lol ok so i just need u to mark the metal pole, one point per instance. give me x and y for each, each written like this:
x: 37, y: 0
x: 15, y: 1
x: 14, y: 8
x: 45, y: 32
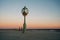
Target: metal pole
x: 24, y: 25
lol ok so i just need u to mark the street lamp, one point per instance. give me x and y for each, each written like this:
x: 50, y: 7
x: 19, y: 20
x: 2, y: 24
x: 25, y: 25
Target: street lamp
x: 24, y: 13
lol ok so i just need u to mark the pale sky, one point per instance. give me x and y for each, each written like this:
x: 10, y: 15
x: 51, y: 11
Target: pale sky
x: 42, y: 13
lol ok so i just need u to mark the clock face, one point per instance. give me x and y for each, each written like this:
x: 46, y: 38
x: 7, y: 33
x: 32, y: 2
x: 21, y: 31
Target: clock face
x: 25, y: 10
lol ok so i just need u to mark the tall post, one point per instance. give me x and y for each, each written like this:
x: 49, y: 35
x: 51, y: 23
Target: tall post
x: 24, y: 25
x: 24, y: 12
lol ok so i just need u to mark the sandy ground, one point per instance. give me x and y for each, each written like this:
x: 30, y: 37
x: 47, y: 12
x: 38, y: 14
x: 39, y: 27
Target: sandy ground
x: 29, y: 35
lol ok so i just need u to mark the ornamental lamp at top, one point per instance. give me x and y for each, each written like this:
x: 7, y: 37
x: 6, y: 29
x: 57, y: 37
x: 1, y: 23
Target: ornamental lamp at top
x: 24, y: 11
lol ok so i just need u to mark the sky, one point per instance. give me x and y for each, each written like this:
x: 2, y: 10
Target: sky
x: 42, y: 13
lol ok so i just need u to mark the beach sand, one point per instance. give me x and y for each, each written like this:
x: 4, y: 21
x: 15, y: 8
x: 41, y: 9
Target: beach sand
x: 29, y: 35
